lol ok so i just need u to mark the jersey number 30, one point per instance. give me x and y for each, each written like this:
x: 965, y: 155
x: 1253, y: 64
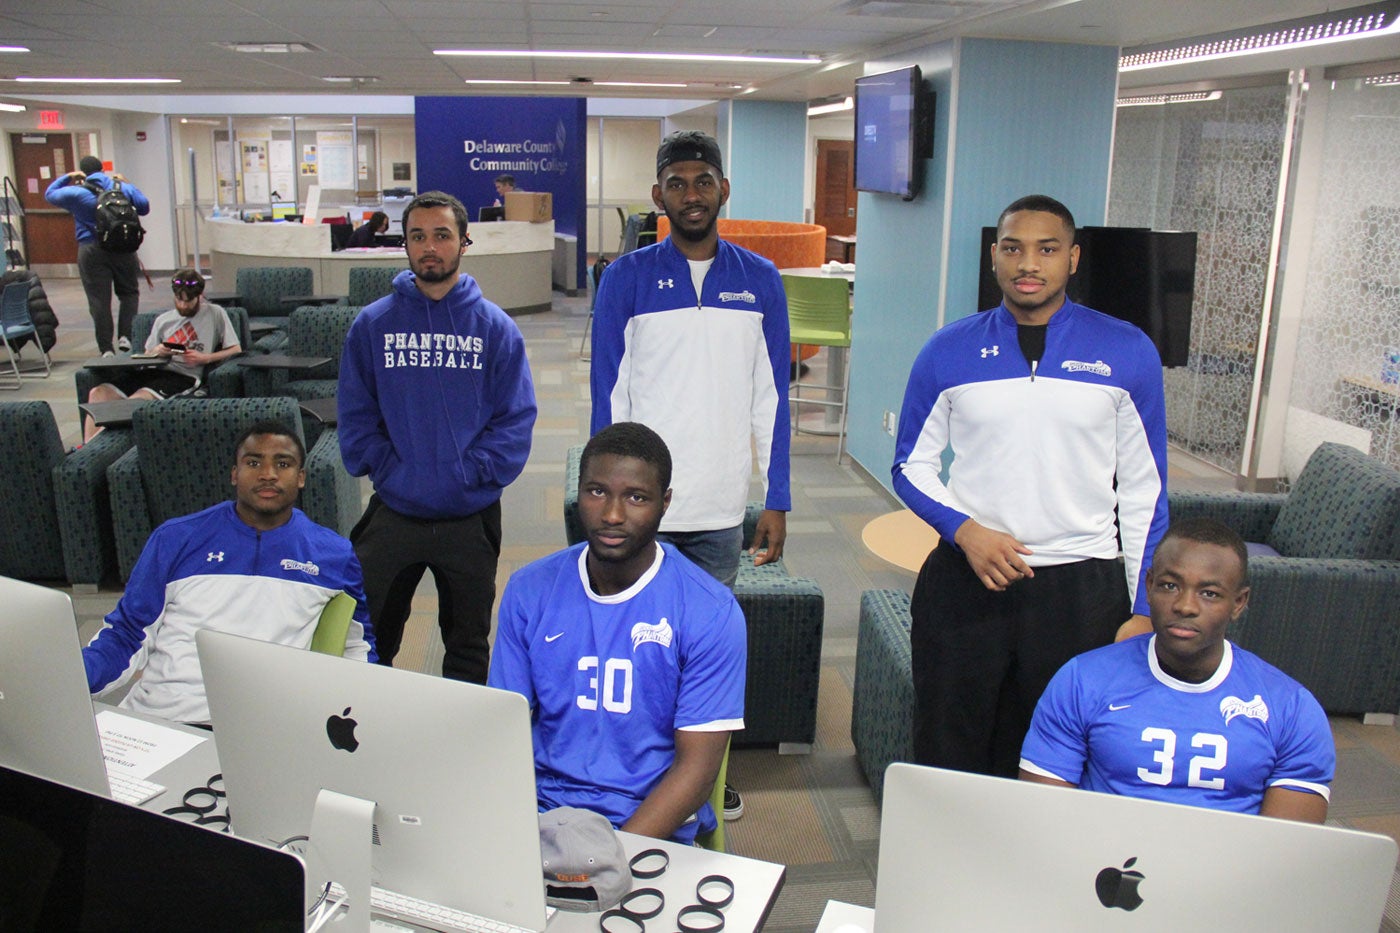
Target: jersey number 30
x: 1165, y: 757
x: 617, y: 684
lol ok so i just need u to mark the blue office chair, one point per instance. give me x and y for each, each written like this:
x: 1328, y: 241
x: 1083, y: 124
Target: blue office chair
x: 15, y: 327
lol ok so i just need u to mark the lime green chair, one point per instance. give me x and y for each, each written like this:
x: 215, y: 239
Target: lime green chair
x: 334, y: 626
x: 819, y: 315
x: 714, y: 839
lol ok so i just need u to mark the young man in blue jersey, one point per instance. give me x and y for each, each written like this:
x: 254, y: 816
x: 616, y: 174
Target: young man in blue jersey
x: 1182, y: 715
x: 632, y: 658
x: 436, y: 404
x: 255, y: 566
x: 1055, y: 417
x: 690, y: 337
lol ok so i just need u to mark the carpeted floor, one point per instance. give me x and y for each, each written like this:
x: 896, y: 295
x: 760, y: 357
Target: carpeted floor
x: 813, y: 813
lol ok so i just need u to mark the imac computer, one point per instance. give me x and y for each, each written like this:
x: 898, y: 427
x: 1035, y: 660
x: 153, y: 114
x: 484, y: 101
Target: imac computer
x: 71, y: 860
x: 410, y: 783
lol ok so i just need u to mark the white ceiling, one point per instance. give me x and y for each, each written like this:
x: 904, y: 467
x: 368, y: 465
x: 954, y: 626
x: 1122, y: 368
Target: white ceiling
x: 394, y: 40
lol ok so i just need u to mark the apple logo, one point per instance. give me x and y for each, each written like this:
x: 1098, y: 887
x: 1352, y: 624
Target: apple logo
x: 1117, y: 887
x: 341, y: 730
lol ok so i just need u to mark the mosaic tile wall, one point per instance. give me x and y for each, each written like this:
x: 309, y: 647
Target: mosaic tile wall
x: 1211, y: 167
x: 1351, y: 309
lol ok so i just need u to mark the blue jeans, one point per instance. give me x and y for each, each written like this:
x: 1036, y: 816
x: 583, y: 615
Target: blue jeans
x: 715, y: 552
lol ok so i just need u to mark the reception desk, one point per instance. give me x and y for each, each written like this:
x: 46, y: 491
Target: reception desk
x: 511, y: 261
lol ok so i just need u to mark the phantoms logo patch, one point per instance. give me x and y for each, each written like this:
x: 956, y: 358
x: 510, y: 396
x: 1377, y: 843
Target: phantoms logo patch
x: 745, y: 296
x: 305, y: 566
x: 1098, y: 367
x: 644, y: 632
x: 1233, y: 706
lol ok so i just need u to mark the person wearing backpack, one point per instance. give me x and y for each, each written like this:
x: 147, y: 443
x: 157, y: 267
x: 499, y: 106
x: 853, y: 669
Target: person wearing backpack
x: 105, y: 209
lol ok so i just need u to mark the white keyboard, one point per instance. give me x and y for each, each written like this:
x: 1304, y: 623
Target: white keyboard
x: 395, y: 906
x: 135, y: 791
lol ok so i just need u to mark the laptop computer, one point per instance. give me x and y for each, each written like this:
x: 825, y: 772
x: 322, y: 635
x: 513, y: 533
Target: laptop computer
x: 71, y: 860
x: 489, y: 214
x: 970, y: 852
x: 46, y: 720
x: 448, y: 766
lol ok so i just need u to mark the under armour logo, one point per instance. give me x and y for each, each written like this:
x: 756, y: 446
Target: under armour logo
x: 990, y: 351
x: 665, y: 283
x: 215, y: 556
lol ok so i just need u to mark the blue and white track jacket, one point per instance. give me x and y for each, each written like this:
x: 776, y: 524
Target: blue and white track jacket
x: 709, y: 373
x: 1037, y: 455
x: 212, y: 570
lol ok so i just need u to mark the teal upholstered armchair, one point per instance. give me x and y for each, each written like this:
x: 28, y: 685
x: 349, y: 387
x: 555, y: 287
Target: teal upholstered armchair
x: 784, y: 615
x: 182, y: 461
x: 311, y: 331
x: 262, y: 288
x: 55, y: 520
x: 1324, y: 574
x: 370, y: 283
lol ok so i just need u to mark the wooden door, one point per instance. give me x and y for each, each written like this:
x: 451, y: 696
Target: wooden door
x: 836, y: 186
x: 39, y: 158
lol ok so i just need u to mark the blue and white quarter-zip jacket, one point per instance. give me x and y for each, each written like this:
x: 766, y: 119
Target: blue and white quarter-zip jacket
x: 211, y: 570
x: 1037, y: 455
x: 436, y: 403
x: 709, y: 373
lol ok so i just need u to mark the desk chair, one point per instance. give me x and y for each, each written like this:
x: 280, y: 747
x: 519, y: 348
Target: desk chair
x: 334, y: 625
x: 714, y: 839
x: 595, y: 274
x: 819, y: 314
x: 16, y: 326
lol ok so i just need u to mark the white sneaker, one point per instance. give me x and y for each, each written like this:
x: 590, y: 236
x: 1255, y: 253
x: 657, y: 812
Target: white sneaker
x: 124, y: 344
x: 107, y: 353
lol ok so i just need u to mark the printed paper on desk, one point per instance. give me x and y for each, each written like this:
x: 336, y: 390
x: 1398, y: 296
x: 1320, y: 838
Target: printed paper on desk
x: 139, y: 748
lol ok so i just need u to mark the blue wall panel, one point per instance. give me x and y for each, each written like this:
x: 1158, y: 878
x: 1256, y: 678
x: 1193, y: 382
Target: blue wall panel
x: 767, y: 157
x: 465, y: 142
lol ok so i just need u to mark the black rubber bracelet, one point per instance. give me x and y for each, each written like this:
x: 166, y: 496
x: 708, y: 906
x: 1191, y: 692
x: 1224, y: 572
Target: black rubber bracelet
x: 647, y: 872
x: 712, y: 902
x: 609, y: 916
x: 700, y: 910
x: 625, y: 905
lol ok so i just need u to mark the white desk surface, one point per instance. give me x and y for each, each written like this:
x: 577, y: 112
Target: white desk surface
x: 756, y: 883
x: 840, y: 917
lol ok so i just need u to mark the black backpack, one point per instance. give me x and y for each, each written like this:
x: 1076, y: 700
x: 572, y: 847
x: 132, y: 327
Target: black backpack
x: 118, y: 225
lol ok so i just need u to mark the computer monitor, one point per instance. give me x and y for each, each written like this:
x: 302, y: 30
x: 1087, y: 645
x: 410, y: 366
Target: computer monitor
x: 46, y: 720
x: 71, y: 860
x: 448, y: 767
x: 971, y: 852
x: 489, y: 214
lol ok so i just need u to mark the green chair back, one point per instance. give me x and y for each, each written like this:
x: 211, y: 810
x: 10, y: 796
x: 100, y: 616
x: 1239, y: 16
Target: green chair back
x: 714, y: 840
x: 334, y: 626
x: 819, y: 310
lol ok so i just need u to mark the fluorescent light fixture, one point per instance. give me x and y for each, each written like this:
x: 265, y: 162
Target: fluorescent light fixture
x: 633, y: 56
x: 269, y: 48
x: 509, y: 81
x: 13, y: 48
x: 1382, y: 80
x: 1376, y: 19
x: 835, y: 106
x: 26, y: 79
x: 351, y: 79
x: 1157, y: 100
x: 13, y: 108
x: 635, y: 84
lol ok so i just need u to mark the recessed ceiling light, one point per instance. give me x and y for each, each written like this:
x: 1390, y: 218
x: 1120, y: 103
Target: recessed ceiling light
x: 13, y: 48
x: 510, y: 81
x: 1155, y: 100
x: 634, y: 56
x: 635, y: 84
x: 351, y: 79
x: 26, y: 79
x: 269, y: 48
x: 13, y: 108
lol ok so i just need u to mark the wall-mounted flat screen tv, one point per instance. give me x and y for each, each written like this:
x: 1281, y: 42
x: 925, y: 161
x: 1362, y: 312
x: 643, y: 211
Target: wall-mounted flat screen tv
x: 893, y: 131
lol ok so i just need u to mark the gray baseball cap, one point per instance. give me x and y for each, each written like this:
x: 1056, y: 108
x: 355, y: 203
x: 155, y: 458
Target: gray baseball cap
x: 585, y: 867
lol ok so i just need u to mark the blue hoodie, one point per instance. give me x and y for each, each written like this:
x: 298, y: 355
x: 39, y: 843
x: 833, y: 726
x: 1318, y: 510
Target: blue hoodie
x: 78, y: 200
x: 435, y: 400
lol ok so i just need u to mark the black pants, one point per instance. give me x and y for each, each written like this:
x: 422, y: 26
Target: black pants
x: 982, y: 659
x: 102, y: 272
x: 395, y: 549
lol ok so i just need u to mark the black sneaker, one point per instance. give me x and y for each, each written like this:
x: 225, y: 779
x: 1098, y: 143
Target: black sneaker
x: 733, y: 803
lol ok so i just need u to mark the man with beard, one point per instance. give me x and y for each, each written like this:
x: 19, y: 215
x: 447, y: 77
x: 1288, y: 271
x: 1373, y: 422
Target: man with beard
x: 1055, y: 417
x: 437, y: 406
x: 632, y: 658
x: 690, y: 338
x: 255, y: 566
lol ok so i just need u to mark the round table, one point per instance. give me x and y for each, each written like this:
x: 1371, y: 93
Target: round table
x: 902, y: 538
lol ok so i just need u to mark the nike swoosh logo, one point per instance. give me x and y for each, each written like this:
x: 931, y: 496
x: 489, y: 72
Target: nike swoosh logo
x: 1111, y: 707
x: 549, y: 638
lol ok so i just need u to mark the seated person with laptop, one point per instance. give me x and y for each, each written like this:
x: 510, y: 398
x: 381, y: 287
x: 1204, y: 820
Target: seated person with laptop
x: 633, y: 659
x: 1182, y: 715
x: 365, y: 234
x: 256, y: 566
x: 191, y: 336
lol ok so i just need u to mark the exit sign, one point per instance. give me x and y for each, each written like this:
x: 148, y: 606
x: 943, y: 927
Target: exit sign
x: 50, y: 119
